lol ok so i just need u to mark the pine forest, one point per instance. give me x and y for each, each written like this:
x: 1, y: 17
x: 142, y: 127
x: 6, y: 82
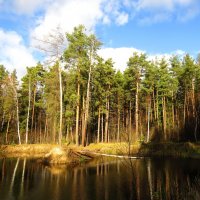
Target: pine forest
x: 78, y: 97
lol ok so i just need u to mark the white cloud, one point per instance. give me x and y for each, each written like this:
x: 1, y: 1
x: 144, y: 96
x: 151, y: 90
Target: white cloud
x: 68, y: 14
x: 14, y: 54
x: 155, y: 18
x: 28, y: 7
x: 189, y: 14
x: 21, y: 7
x: 185, y: 2
x: 64, y: 13
x: 120, y: 56
x: 179, y: 52
x: 155, y: 4
x: 106, y: 20
x: 158, y: 11
x: 167, y: 56
x: 122, y: 18
x: 164, y: 4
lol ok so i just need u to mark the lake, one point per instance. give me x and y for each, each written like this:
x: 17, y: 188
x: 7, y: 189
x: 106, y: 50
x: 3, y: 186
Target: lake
x: 101, y: 179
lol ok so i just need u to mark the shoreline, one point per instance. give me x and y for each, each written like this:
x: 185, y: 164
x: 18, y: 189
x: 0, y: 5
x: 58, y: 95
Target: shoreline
x: 184, y: 150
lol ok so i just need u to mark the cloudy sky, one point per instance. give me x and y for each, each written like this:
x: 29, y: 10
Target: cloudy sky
x: 157, y: 27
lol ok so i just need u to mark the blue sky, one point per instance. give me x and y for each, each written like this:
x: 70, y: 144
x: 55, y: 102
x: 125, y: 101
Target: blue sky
x: 159, y: 28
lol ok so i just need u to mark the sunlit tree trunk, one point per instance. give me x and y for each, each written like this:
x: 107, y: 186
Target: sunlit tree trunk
x: 77, y: 113
x: 54, y: 129
x: 118, y: 120
x: 54, y: 42
x: 107, y: 117
x: 46, y: 129
x: 18, y: 132
x: 99, y: 120
x: 87, y: 107
x: 184, y: 110
x: 29, y: 102
x: 102, y: 127
x: 7, y: 129
x: 61, y: 104
x: 193, y: 99
x: 157, y: 108
x: 164, y: 117
x: 40, y: 127
x: 33, y: 110
x: 148, y: 119
x: 173, y: 115
x: 136, y: 111
x: 17, y: 111
x: 130, y: 123
x: 154, y: 106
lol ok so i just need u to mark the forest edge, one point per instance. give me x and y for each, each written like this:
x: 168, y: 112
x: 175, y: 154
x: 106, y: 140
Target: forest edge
x: 52, y: 153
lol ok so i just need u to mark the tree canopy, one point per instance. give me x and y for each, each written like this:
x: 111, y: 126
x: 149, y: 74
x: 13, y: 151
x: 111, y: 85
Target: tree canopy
x: 156, y: 100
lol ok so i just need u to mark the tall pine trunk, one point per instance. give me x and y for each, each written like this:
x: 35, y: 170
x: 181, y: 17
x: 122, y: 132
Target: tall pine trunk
x: 154, y: 106
x: 33, y: 110
x: 164, y: 118
x: 17, y: 108
x: 118, y: 120
x: 173, y: 114
x: 136, y: 111
x: 61, y: 104
x: 102, y: 127
x: 86, y: 108
x: 107, y: 117
x: 184, y: 110
x: 7, y: 129
x: 148, y: 119
x: 193, y: 100
x: 98, y: 129
x: 29, y: 102
x: 130, y: 123
x: 157, y: 108
x: 77, y: 113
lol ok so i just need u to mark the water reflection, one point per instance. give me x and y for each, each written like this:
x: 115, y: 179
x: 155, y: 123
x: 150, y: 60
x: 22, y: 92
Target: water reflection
x: 101, y: 179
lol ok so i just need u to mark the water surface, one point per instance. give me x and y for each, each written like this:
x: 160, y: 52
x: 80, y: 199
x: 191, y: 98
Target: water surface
x: 101, y: 179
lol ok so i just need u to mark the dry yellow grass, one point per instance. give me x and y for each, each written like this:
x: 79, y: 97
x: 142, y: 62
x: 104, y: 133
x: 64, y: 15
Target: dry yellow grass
x: 26, y: 150
x: 40, y: 150
x: 122, y: 148
x: 137, y: 149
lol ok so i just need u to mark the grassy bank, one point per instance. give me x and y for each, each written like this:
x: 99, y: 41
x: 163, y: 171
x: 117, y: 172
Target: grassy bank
x: 26, y: 150
x: 190, y: 150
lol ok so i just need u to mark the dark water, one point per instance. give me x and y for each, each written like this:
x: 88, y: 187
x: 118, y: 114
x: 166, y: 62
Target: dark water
x: 101, y: 179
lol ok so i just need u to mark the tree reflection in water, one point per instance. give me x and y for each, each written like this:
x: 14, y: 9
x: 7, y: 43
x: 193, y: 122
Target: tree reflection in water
x: 103, y: 178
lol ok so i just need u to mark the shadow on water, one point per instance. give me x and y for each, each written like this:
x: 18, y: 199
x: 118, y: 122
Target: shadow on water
x: 103, y: 178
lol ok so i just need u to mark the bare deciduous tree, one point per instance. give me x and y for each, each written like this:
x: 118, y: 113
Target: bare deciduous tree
x: 53, y: 45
